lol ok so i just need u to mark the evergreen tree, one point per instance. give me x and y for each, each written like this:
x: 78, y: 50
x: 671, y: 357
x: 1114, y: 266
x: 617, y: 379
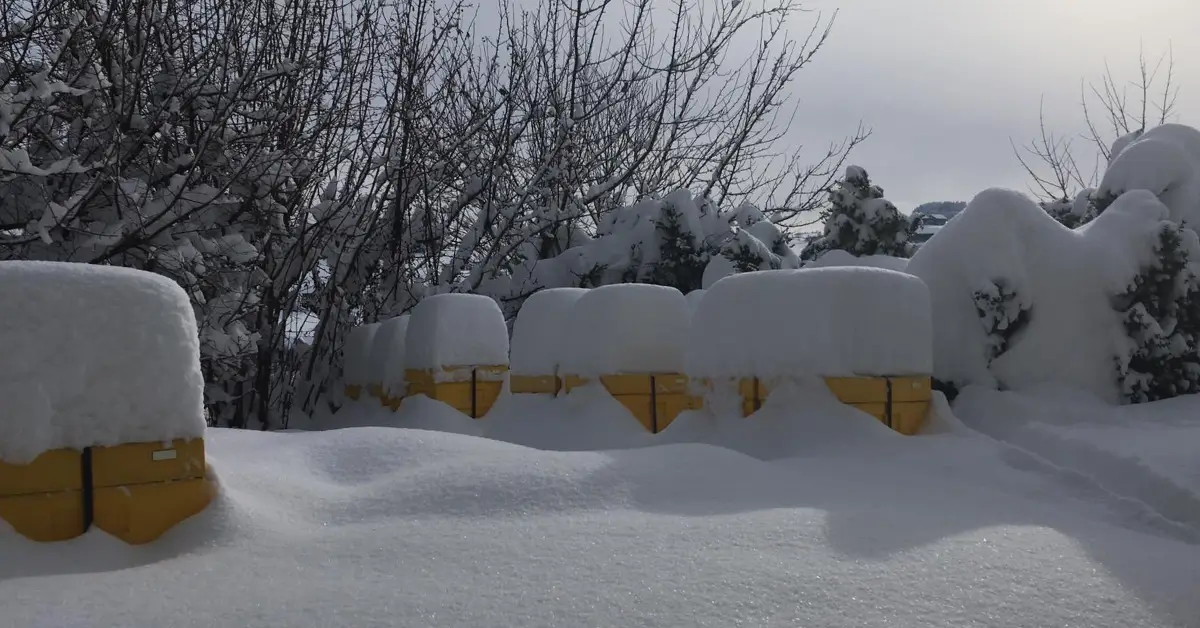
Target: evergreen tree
x: 1003, y: 314
x: 861, y: 221
x: 1161, y: 314
x: 681, y: 259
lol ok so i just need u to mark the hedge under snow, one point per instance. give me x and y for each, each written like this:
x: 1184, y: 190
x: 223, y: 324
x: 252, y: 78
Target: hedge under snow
x: 836, y: 321
x: 94, y: 355
x: 541, y: 324
x: 625, y: 328
x: 1021, y: 301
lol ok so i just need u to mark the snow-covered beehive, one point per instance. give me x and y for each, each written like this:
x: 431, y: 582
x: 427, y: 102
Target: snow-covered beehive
x: 540, y: 325
x: 356, y: 359
x: 867, y: 331
x: 103, y: 416
x: 630, y: 338
x: 386, y: 362
x: 456, y: 351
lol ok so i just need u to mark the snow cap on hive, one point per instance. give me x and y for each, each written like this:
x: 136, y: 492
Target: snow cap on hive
x: 836, y: 321
x: 541, y: 323
x: 95, y: 355
x: 625, y: 328
x: 455, y: 330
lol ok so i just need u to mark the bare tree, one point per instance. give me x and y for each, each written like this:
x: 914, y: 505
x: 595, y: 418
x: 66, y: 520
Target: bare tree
x: 1111, y: 109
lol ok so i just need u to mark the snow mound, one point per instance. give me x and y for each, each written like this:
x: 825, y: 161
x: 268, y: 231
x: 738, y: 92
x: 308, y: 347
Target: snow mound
x: 94, y: 355
x: 838, y: 257
x: 1164, y: 161
x: 451, y: 330
x: 356, y: 358
x: 539, y: 328
x: 836, y: 321
x: 625, y: 328
x: 391, y: 527
x: 800, y: 417
x: 395, y: 331
x: 1047, y: 291
x: 586, y: 419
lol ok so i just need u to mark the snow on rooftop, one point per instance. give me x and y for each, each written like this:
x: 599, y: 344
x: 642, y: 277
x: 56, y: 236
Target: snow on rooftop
x: 828, y: 321
x: 94, y: 355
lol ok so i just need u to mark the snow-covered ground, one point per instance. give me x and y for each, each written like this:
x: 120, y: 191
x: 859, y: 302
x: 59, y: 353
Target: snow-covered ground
x: 808, y: 514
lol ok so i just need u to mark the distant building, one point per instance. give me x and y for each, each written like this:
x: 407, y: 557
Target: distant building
x: 930, y: 217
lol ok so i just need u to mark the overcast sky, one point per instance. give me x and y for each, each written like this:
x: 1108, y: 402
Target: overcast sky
x: 945, y: 84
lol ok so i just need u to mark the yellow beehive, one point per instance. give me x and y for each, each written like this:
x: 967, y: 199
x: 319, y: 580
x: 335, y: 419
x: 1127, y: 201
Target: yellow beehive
x: 472, y: 390
x: 43, y: 500
x: 901, y: 403
x: 534, y: 384
x: 391, y: 402
x: 375, y: 389
x: 911, y: 398
x: 141, y: 490
x: 353, y: 391
x: 655, y: 400
x: 135, y: 492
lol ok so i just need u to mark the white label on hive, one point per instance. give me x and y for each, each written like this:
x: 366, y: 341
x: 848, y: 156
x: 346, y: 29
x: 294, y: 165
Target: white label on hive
x: 164, y: 454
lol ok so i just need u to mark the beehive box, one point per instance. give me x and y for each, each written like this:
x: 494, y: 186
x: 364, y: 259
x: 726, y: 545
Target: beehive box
x: 355, y: 359
x: 64, y: 449
x: 537, y: 335
x: 386, y: 361
x: 472, y: 390
x: 901, y: 403
x: 655, y: 400
x: 141, y: 490
x: 534, y: 384
x: 43, y: 500
x: 135, y: 492
x: 456, y: 352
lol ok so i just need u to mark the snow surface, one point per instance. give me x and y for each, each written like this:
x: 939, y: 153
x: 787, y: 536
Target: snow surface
x: 449, y: 330
x: 1066, y: 278
x: 94, y: 355
x: 625, y: 328
x: 356, y: 355
x: 539, y: 328
x: 1165, y: 161
x: 693, y: 299
x: 835, y: 321
x: 411, y: 527
x: 838, y: 257
x: 1145, y: 454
